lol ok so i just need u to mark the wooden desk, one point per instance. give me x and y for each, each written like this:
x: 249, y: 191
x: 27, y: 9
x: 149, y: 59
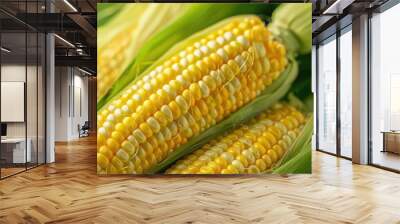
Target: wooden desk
x: 13, y: 150
x: 391, y: 141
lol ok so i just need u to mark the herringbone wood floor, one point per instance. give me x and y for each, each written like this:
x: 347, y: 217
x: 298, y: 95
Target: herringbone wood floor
x: 70, y: 192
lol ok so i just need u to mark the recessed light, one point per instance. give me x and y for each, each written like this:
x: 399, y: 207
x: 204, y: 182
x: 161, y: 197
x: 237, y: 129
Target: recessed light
x: 64, y: 40
x: 70, y: 5
x: 5, y: 50
x: 84, y: 71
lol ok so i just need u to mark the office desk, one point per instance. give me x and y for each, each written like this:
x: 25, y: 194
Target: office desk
x: 13, y: 150
x: 391, y: 141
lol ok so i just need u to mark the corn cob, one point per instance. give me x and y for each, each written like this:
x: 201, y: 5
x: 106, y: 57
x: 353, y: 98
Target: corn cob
x: 116, y: 45
x: 222, y: 70
x: 249, y: 149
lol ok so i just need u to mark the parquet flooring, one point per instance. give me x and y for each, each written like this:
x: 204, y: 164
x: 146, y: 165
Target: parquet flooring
x: 69, y: 191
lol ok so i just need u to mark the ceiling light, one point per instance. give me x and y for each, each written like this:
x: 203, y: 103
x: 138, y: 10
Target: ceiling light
x: 84, y: 71
x: 65, y: 41
x: 5, y: 50
x: 70, y: 5
x: 337, y: 7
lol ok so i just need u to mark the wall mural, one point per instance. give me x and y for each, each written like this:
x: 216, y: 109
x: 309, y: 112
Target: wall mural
x: 204, y: 88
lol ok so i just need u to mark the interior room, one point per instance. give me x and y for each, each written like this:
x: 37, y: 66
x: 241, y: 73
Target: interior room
x: 48, y: 104
x: 385, y: 86
x: 335, y: 93
x: 22, y: 99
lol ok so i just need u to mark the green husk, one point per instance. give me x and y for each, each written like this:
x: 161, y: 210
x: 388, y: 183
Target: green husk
x: 299, y: 163
x: 196, y: 18
x: 267, y: 98
x: 293, y: 23
x: 106, y: 12
x: 132, y: 33
x: 299, y: 145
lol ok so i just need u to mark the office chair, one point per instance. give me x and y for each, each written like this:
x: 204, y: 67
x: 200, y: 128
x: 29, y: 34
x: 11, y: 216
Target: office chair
x: 84, y: 130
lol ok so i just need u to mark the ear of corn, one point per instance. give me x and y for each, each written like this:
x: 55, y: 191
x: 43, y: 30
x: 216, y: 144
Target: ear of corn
x: 194, y: 86
x: 253, y: 148
x: 267, y: 98
x: 195, y: 18
x: 122, y: 37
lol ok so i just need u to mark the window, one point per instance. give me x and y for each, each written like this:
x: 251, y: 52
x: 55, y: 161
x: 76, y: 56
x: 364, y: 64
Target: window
x: 385, y: 89
x: 327, y: 96
x: 346, y: 92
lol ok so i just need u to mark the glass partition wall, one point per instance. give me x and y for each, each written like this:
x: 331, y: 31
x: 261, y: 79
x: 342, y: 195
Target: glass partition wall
x: 22, y: 77
x: 334, y: 94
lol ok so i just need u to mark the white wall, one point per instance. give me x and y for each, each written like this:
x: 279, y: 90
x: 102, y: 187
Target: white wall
x: 62, y: 81
x: 16, y: 73
x: 71, y: 87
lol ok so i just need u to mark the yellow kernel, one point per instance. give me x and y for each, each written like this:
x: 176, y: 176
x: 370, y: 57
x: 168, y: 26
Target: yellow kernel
x: 106, y: 152
x: 206, y: 170
x: 235, y: 151
x: 188, y: 97
x: 214, y: 166
x: 102, y: 161
x: 137, y: 118
x: 161, y: 118
x: 146, y: 129
x: 278, y: 149
x: 226, y: 171
x: 273, y: 155
x: 128, y: 147
x: 262, y: 150
x: 112, y: 144
x: 117, y: 163
x: 232, y: 169
x: 257, y: 154
x: 271, y: 138
x: 238, y: 165
x: 195, y: 91
x: 116, y: 135
x: 129, y: 123
x: 267, y: 160
x: 275, y: 131
x: 253, y: 169
x: 221, y: 162
x: 243, y: 160
x: 260, y: 163
x: 176, y: 112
